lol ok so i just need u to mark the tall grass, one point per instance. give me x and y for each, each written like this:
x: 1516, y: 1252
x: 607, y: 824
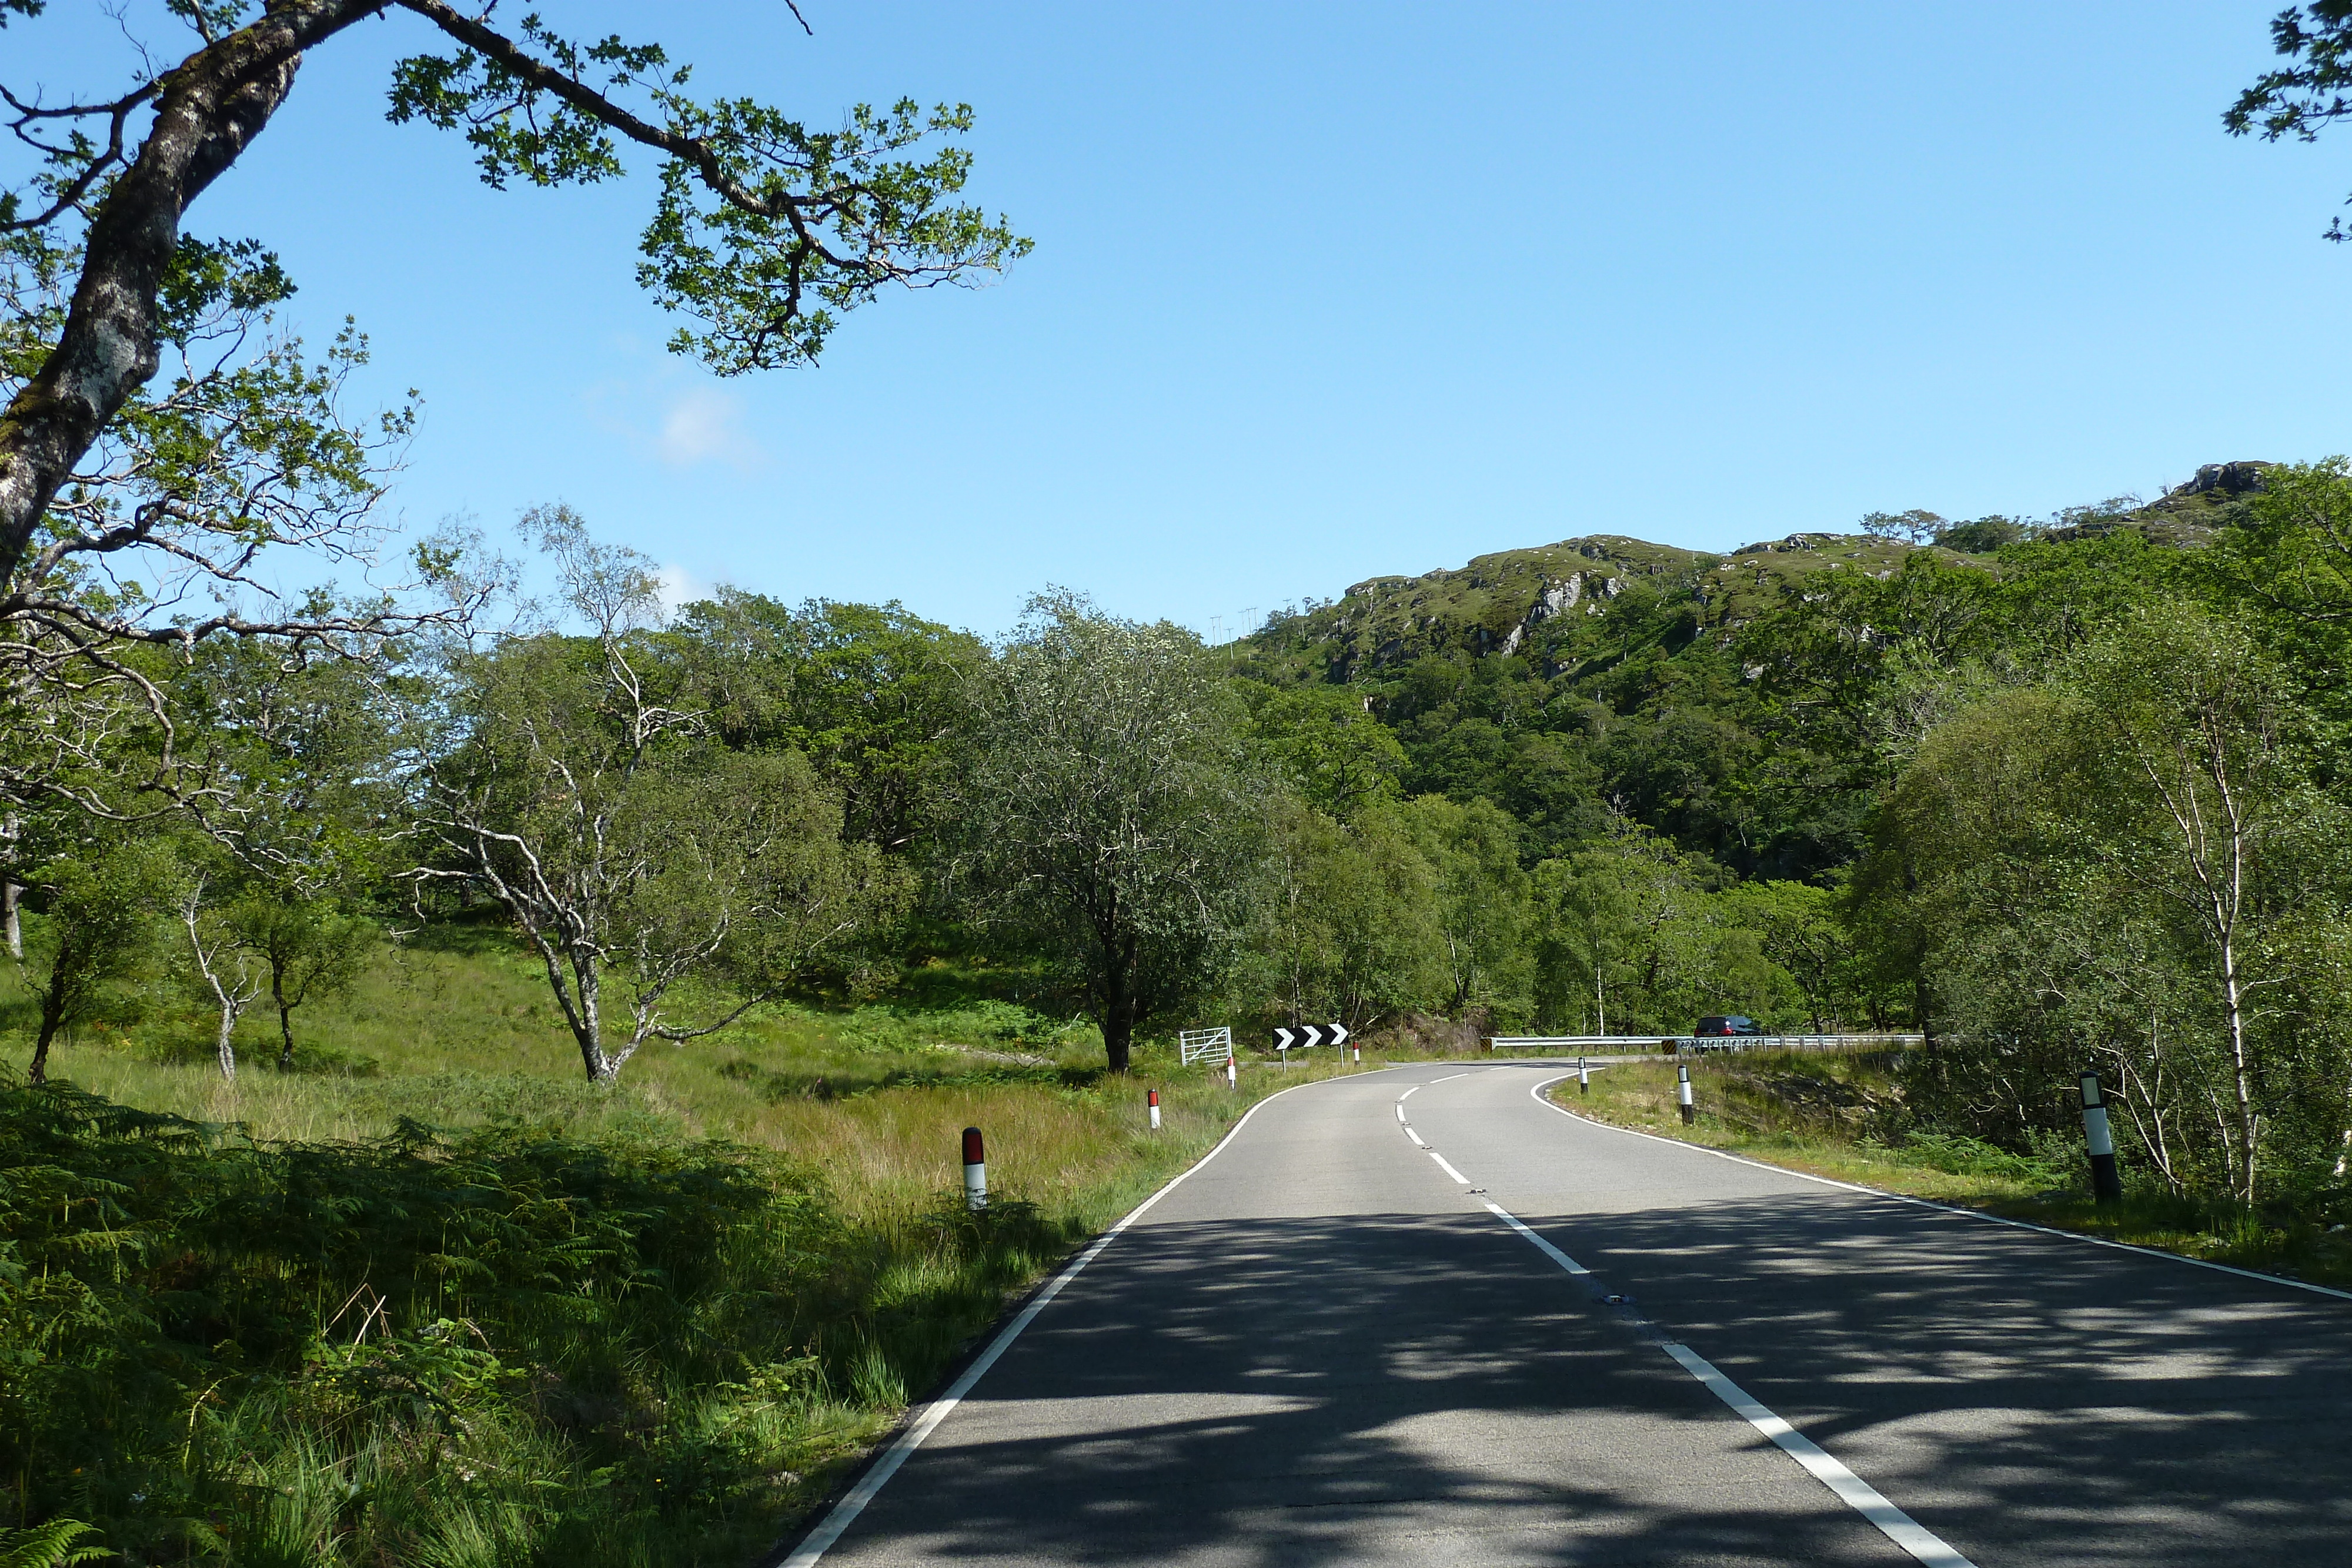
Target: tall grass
x: 438, y: 1300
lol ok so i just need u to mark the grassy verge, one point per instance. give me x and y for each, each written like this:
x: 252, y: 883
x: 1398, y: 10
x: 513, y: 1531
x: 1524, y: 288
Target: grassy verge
x: 1842, y: 1117
x: 436, y: 1300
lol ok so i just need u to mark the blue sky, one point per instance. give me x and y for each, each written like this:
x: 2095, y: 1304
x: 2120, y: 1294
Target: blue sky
x: 1327, y: 291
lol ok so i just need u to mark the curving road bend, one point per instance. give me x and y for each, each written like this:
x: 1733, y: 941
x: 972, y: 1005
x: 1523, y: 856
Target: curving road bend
x: 1324, y: 1346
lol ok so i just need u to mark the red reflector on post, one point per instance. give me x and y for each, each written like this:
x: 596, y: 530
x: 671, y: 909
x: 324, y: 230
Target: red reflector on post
x: 972, y: 1154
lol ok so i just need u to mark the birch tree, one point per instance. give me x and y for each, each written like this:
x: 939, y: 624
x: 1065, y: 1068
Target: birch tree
x: 581, y: 790
x: 223, y: 965
x: 2203, y: 783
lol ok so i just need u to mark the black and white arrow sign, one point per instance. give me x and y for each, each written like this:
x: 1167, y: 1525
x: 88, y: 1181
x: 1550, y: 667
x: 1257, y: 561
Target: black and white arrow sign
x: 1305, y: 1035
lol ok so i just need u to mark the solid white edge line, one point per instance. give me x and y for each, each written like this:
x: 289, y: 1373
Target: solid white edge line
x: 1849, y: 1488
x: 1537, y: 1095
x: 1448, y: 1169
x: 1449, y: 1078
x: 1853, y: 1491
x: 818, y: 1542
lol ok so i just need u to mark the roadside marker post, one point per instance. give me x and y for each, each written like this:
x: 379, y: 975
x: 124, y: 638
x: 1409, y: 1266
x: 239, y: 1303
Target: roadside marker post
x: 1232, y: 1079
x: 2106, y: 1184
x: 1690, y: 1115
x: 1583, y: 1076
x: 1155, y: 1109
x: 975, y: 1171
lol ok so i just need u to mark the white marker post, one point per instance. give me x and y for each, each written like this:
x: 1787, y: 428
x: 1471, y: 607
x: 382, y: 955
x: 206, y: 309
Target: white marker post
x: 2106, y: 1185
x: 1155, y: 1109
x: 975, y: 1171
x: 1583, y: 1076
x: 1232, y: 1079
x: 1689, y: 1114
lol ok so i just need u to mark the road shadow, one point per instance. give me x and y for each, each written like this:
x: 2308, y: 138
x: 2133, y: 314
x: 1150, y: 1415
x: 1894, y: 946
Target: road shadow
x: 1428, y: 1388
x: 1313, y: 1391
x: 2051, y: 1400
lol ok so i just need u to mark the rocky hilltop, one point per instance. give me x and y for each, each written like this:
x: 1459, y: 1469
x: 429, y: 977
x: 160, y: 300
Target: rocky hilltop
x: 1520, y: 602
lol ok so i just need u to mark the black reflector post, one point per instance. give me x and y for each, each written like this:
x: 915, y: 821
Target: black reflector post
x: 2106, y: 1186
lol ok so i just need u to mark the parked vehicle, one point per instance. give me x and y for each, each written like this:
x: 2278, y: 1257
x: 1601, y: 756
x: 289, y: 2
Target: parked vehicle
x: 1730, y: 1024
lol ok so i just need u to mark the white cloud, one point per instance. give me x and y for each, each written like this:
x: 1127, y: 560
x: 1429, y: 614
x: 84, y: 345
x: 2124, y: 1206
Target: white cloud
x: 704, y: 425
x: 678, y: 588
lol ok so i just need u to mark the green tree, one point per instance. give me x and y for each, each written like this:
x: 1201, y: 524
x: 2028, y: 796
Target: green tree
x: 308, y: 948
x: 101, y: 905
x: 1633, y: 933
x: 1797, y: 928
x: 582, y: 792
x: 1481, y: 901
x: 2129, y: 866
x: 2304, y: 97
x: 303, y: 759
x: 763, y: 231
x: 874, y: 697
x: 221, y: 963
x: 2287, y: 564
x: 1914, y: 527
x: 2204, y: 787
x: 1347, y: 926
x: 1325, y: 740
x: 1109, y: 820
x: 170, y: 456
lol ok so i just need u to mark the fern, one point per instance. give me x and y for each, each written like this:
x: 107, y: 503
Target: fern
x: 49, y: 1545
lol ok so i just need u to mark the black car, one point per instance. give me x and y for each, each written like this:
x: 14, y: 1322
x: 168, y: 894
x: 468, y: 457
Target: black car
x: 1731, y: 1024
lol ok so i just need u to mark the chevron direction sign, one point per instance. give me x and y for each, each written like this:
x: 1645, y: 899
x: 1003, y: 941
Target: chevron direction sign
x: 1300, y: 1038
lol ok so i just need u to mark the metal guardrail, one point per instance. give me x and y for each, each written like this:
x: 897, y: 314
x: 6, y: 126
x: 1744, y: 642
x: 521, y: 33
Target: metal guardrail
x: 1700, y: 1045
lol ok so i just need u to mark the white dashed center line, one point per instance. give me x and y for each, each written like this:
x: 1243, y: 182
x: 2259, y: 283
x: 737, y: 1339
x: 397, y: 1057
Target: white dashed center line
x: 1866, y: 1499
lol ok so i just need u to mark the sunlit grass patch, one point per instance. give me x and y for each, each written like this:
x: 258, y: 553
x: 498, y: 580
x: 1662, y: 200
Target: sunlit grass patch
x: 1836, y: 1117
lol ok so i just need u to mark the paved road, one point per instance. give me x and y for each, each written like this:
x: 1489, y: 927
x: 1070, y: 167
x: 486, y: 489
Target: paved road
x: 1322, y: 1348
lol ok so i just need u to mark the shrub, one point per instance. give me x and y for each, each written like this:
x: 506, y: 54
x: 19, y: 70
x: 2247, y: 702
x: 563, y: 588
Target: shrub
x: 494, y: 1345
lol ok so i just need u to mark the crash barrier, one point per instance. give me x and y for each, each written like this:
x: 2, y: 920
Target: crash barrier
x: 1700, y: 1045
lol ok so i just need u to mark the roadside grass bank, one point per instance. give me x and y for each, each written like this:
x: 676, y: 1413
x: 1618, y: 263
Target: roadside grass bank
x: 414, y: 1304
x: 1841, y: 1116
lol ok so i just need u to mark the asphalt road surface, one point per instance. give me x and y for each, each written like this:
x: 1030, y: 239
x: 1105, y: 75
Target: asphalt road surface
x: 1322, y: 1347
